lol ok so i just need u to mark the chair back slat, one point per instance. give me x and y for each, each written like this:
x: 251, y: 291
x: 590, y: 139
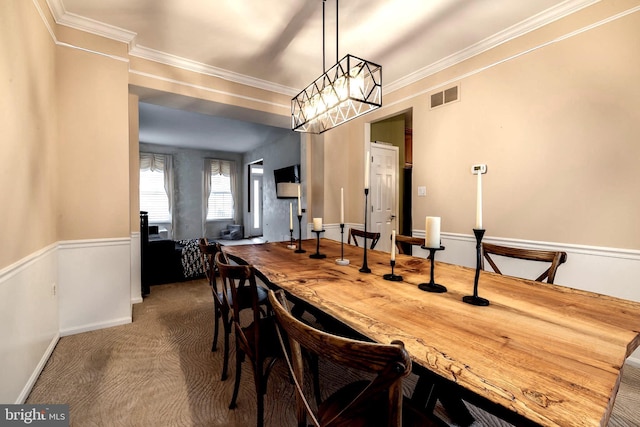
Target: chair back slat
x: 403, y: 242
x: 555, y: 258
x: 355, y: 233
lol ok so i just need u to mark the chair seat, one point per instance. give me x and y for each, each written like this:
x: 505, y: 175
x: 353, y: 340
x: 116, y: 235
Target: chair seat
x: 369, y: 414
x: 244, y: 294
x: 270, y: 344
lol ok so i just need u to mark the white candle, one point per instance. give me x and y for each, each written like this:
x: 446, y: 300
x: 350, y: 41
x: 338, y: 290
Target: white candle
x: 479, y: 203
x: 367, y: 163
x: 317, y: 224
x: 393, y: 245
x: 299, y: 208
x: 342, y: 206
x: 290, y: 216
x: 432, y: 232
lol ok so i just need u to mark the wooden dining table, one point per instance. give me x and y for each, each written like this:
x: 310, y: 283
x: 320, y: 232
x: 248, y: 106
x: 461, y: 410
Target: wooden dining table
x: 548, y: 354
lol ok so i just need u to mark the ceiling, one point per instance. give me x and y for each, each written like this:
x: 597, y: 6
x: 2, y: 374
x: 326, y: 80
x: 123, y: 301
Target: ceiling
x: 277, y: 45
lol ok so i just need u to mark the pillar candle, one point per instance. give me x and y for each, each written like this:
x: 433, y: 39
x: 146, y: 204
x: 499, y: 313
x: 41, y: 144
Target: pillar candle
x: 299, y: 208
x: 342, y: 206
x: 432, y: 232
x: 479, y: 203
x: 317, y: 224
x: 367, y: 163
x: 393, y: 245
x: 290, y: 216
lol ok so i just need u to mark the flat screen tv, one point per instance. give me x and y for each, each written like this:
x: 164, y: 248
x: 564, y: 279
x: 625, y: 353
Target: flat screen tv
x: 287, y: 181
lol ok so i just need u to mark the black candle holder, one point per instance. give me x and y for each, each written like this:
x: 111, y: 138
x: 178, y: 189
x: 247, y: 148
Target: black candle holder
x: 365, y: 268
x: 393, y: 277
x: 475, y: 299
x: 318, y: 255
x: 432, y: 286
x: 342, y: 261
x: 291, y: 244
x: 300, y: 250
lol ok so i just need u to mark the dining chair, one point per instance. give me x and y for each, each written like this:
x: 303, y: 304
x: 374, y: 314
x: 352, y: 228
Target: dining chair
x: 255, y: 335
x: 403, y: 243
x: 355, y: 233
x: 222, y: 307
x: 556, y: 258
x: 371, y: 402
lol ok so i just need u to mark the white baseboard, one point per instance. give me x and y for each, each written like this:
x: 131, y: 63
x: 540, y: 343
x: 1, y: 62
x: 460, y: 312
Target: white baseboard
x: 95, y: 326
x: 22, y: 397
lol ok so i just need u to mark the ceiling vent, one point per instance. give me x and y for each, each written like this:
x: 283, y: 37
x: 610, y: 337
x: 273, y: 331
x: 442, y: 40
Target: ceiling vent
x: 444, y: 97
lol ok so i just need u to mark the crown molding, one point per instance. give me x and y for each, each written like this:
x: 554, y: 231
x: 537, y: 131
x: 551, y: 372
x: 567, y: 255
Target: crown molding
x: 548, y: 16
x: 88, y: 25
x: 198, y: 67
x: 533, y: 23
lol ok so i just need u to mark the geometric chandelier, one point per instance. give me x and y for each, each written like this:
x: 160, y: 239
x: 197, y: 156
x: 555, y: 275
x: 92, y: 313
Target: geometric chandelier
x: 351, y: 88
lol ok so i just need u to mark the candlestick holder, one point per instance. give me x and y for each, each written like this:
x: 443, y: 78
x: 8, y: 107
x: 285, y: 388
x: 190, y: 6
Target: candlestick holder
x: 342, y: 261
x: 291, y: 244
x: 393, y: 277
x: 317, y: 255
x: 432, y: 286
x: 300, y: 250
x: 365, y: 268
x: 475, y: 299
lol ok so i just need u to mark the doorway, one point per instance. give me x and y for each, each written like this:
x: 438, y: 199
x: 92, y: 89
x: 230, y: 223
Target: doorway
x: 256, y: 173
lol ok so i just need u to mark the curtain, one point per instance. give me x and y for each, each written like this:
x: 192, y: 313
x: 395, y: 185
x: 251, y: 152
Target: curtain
x: 162, y: 163
x: 214, y: 167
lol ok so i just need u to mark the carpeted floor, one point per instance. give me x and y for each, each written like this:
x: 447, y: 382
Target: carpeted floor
x: 160, y: 371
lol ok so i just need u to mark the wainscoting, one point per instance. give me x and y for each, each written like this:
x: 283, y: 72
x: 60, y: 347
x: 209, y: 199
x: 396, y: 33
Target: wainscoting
x: 66, y: 288
x: 607, y: 271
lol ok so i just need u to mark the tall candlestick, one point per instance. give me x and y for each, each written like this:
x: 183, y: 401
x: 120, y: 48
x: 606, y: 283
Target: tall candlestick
x: 290, y: 216
x: 432, y: 232
x: 479, y: 203
x: 367, y: 163
x: 342, y: 206
x: 299, y: 208
x: 393, y: 245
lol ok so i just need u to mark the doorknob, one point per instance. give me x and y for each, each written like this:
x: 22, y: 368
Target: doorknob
x: 392, y: 217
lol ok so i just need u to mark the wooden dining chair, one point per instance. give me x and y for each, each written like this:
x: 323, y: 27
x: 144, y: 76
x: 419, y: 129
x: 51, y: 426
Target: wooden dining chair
x: 555, y: 258
x: 355, y: 233
x: 222, y: 307
x: 404, y: 243
x: 372, y: 402
x: 255, y: 335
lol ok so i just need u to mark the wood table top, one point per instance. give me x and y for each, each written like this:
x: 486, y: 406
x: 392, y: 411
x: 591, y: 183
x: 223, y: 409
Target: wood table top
x: 549, y: 353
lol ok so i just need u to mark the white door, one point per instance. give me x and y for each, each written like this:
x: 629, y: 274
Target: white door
x: 255, y: 182
x: 384, y: 193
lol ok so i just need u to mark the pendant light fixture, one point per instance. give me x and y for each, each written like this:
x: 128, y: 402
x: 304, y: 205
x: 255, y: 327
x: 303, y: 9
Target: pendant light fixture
x: 350, y: 88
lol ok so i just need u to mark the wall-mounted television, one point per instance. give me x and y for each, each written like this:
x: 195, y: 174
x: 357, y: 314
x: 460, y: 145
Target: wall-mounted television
x: 287, y: 181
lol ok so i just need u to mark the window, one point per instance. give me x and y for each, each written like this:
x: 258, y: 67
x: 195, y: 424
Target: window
x: 154, y: 181
x: 221, y: 180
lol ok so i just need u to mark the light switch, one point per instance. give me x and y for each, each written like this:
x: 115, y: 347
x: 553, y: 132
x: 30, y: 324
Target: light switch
x: 422, y: 191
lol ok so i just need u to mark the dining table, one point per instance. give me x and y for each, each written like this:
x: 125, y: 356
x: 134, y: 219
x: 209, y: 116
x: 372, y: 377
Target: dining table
x: 544, y: 354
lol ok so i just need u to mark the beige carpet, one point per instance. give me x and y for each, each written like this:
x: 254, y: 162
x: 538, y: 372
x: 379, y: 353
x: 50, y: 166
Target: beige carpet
x: 159, y: 371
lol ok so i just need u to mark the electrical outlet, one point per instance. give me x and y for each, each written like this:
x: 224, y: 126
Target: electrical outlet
x: 475, y: 169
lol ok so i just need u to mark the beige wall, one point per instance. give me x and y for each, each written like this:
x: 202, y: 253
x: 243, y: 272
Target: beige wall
x: 28, y: 132
x: 93, y: 149
x: 558, y: 127
x: 134, y: 163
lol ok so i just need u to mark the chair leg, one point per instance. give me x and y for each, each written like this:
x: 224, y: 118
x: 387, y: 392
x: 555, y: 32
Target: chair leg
x: 259, y: 380
x: 227, y: 332
x: 236, y: 385
x: 217, y: 316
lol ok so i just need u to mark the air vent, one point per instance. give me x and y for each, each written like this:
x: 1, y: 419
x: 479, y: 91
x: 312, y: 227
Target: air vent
x: 444, y: 97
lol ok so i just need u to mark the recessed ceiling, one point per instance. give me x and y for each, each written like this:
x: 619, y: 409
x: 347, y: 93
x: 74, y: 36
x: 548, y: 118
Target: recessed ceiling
x: 277, y: 45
